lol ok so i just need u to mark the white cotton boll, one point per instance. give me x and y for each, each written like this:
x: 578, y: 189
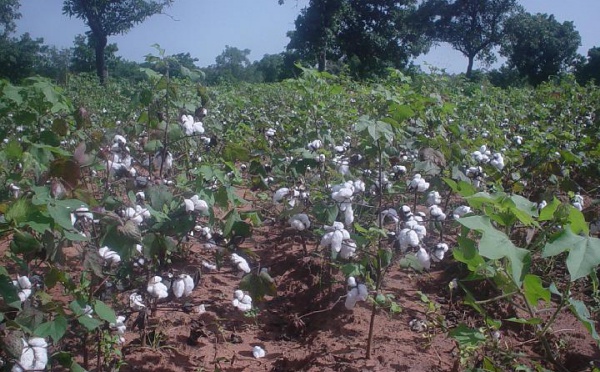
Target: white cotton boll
x: 315, y: 145
x: 156, y: 288
x: 270, y: 132
x: 473, y: 172
x: 423, y: 258
x: 421, y: 231
x: 439, y: 251
x: 497, y: 161
x: 461, y: 211
x: 414, y: 183
x: 349, y: 215
x: 136, y: 303
x: 27, y: 359
x: 390, y: 214
x: 109, y: 256
x: 24, y: 294
x: 119, y: 325
x: 209, y: 266
x: 188, y: 284
x: 299, y: 221
x: 433, y: 198
x: 359, y: 186
x: 258, y: 352
x: 351, y: 281
x: 541, y: 205
x: 437, y: 213
x: 326, y: 239
x: 399, y: 169
x: 343, y: 195
x: 178, y: 287
x: 336, y: 241
x: 343, y: 168
x: 577, y: 202
x: 363, y: 292
x: 241, y: 301
x: 351, y: 299
x: 119, y: 140
x: 348, y: 249
x: 23, y: 282
x: 240, y: 262
x: 408, y: 238
x: 144, y: 212
x: 189, y: 205
x: 280, y: 194
x: 321, y: 158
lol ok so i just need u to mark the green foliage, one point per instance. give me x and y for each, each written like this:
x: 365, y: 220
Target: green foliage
x: 549, y: 53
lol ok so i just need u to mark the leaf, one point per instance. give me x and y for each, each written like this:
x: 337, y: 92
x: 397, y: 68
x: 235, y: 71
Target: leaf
x: 61, y: 215
x: 579, y: 309
x: 467, y: 337
x: 105, y: 312
x: 66, y: 360
x: 496, y: 245
x: 547, y: 213
x: 24, y: 243
x: 258, y: 286
x: 531, y: 321
x: 55, y: 328
x: 9, y: 292
x: 584, y: 252
x: 534, y: 290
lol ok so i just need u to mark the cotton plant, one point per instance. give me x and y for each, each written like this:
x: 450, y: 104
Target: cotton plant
x: 241, y: 301
x: 343, y: 194
x: 356, y: 292
x: 34, y: 355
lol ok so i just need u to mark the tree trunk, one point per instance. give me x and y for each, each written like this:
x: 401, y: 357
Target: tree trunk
x: 101, y: 71
x: 470, y: 67
x: 323, y: 58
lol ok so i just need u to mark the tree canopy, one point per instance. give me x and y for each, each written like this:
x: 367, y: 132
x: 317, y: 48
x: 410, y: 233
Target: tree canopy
x: 538, y: 46
x: 109, y: 17
x: 473, y: 27
x: 370, y: 35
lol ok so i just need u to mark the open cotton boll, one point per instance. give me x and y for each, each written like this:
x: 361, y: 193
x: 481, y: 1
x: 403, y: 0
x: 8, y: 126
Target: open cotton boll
x: 119, y: 325
x: 438, y: 252
x: 109, y: 256
x: 408, y: 238
x: 433, y: 198
x: 131, y: 214
x: 136, y: 303
x: 241, y: 301
x: 280, y: 194
x: 270, y: 132
x: 390, y: 214
x: 351, y: 281
x: 240, y: 262
x: 423, y: 258
x: 299, y: 221
x: 405, y: 213
x: 34, y: 355
x: 199, y: 204
x: 437, y: 213
x: 156, y: 288
x: 348, y: 249
x: 461, y: 211
x: 497, y: 161
x: 577, y: 202
x: 183, y: 286
x: 258, y: 352
x: 315, y: 145
x: 23, y: 285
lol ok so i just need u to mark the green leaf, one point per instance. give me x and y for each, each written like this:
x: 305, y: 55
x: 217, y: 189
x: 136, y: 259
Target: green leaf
x: 577, y: 222
x: 24, y: 243
x: 61, y: 215
x: 584, y: 252
x: 66, y: 360
x: 467, y: 337
x: 534, y: 290
x: 258, y: 285
x: 89, y: 323
x: 55, y: 328
x: 496, y: 245
x: 105, y: 312
x: 531, y: 321
x: 547, y: 213
x: 9, y: 292
x: 579, y: 309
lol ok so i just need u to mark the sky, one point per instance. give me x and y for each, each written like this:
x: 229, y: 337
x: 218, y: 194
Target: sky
x: 204, y: 27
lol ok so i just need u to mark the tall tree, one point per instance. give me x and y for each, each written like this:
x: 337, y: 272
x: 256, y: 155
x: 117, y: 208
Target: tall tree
x: 370, y: 34
x: 9, y: 13
x: 473, y: 27
x: 589, y: 68
x: 111, y: 17
x: 538, y: 46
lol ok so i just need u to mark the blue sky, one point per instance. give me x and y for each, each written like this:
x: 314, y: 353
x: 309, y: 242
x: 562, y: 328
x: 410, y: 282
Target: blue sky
x: 204, y: 27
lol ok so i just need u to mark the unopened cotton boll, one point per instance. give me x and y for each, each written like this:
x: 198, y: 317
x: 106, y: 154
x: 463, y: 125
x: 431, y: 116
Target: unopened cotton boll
x: 240, y: 262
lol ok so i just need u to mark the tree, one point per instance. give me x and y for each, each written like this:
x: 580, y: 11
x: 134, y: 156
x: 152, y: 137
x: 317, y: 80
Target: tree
x: 110, y: 17
x: 230, y: 66
x: 589, y: 68
x: 473, y: 27
x: 9, y: 13
x: 20, y: 57
x: 370, y: 34
x: 270, y: 67
x: 83, y: 54
x: 539, y: 46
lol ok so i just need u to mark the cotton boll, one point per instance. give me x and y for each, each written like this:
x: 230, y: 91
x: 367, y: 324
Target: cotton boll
x: 351, y: 299
x: 497, y: 161
x: 461, y: 211
x: 23, y: 282
x: 389, y: 214
x: 336, y: 241
x: 299, y: 222
x: 109, y: 256
x: 348, y: 249
x: 119, y: 325
x: 156, y: 288
x: 577, y: 202
x: 315, y: 145
x: 280, y: 194
x: 437, y: 213
x: 439, y: 251
x: 136, y: 302
x: 241, y: 301
x: 258, y: 352
x: 349, y: 215
x: 351, y: 281
x: 433, y: 198
x: 240, y: 263
x: 423, y: 258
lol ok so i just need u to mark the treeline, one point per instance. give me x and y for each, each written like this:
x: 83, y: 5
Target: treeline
x: 362, y: 39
